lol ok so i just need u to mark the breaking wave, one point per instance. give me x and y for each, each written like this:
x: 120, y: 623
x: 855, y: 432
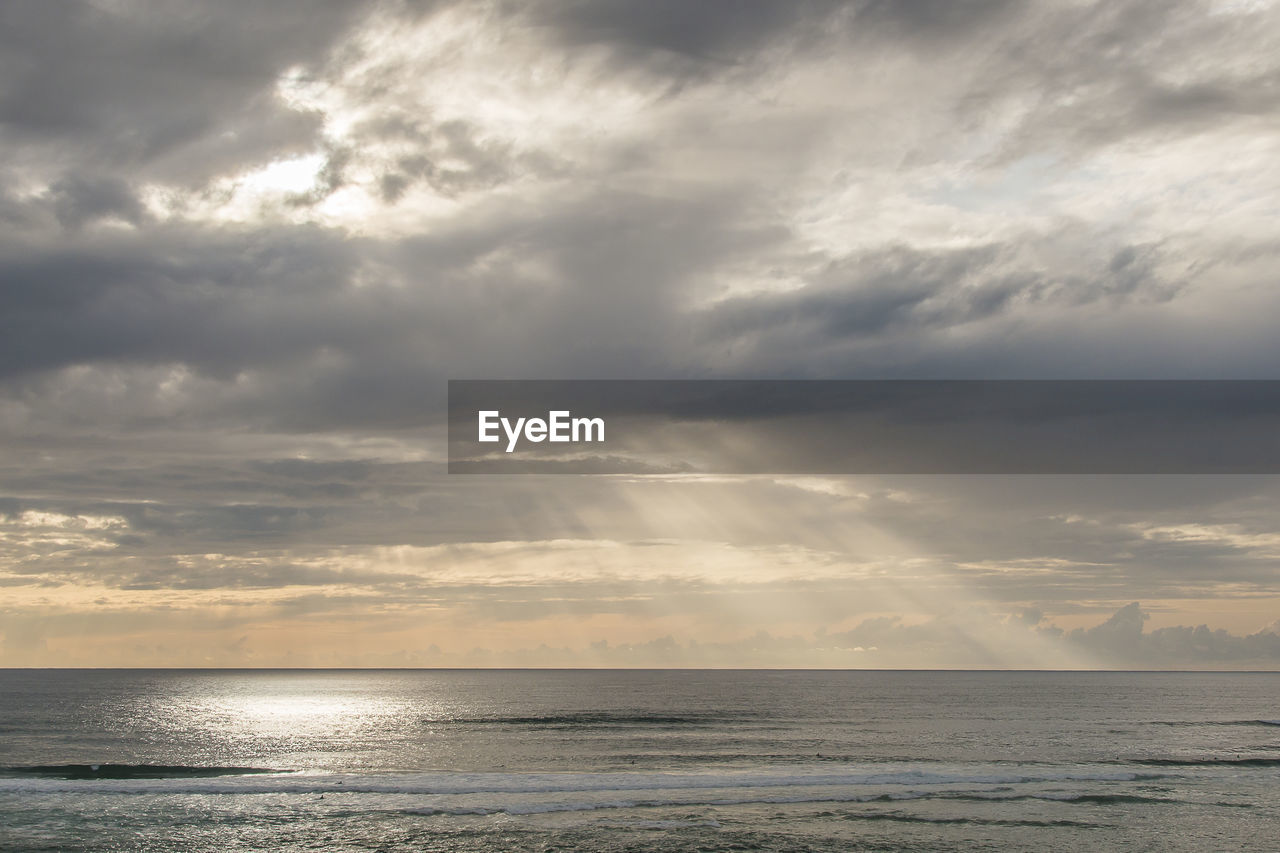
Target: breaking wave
x: 130, y: 771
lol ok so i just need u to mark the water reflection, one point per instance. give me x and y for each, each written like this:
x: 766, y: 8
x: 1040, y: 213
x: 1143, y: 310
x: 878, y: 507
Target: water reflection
x: 294, y: 721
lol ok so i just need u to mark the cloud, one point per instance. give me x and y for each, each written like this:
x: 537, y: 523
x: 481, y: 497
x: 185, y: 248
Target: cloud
x: 670, y: 37
x: 966, y: 639
x: 959, y: 640
x: 78, y: 200
x: 905, y: 291
x: 1122, y: 641
x: 170, y: 89
x: 245, y: 245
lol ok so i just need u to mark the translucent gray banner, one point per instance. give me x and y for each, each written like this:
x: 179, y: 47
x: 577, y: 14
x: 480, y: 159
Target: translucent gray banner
x: 864, y: 426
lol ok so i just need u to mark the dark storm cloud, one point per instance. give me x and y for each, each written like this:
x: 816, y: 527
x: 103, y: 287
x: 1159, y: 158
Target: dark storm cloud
x: 906, y: 289
x: 672, y: 38
x: 931, y: 19
x: 80, y: 199
x: 222, y: 302
x: 134, y: 85
x: 721, y: 31
x: 281, y: 301
x: 219, y: 301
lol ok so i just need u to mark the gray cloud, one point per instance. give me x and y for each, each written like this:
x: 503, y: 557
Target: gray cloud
x: 245, y: 245
x: 200, y: 299
x: 1122, y: 640
x: 78, y: 200
x: 674, y: 36
x: 86, y: 75
x: 901, y: 290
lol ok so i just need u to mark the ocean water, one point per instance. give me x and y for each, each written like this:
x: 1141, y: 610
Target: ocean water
x: 491, y: 760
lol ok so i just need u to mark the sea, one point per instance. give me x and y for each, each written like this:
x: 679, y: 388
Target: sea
x: 637, y: 760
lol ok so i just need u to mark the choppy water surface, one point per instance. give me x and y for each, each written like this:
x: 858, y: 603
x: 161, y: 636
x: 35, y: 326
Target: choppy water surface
x: 637, y: 760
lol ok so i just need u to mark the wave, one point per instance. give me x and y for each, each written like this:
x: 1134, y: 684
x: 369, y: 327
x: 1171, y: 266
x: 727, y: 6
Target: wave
x: 991, y: 796
x: 903, y: 817
x: 769, y: 758
x: 1198, y: 723
x: 1081, y: 798
x: 460, y: 794
x: 1251, y: 761
x: 131, y: 771
x: 595, y: 719
x: 516, y: 809
x: 154, y: 778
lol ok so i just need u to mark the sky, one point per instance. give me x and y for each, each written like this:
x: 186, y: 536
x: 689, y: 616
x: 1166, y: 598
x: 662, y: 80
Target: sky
x: 243, y: 247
